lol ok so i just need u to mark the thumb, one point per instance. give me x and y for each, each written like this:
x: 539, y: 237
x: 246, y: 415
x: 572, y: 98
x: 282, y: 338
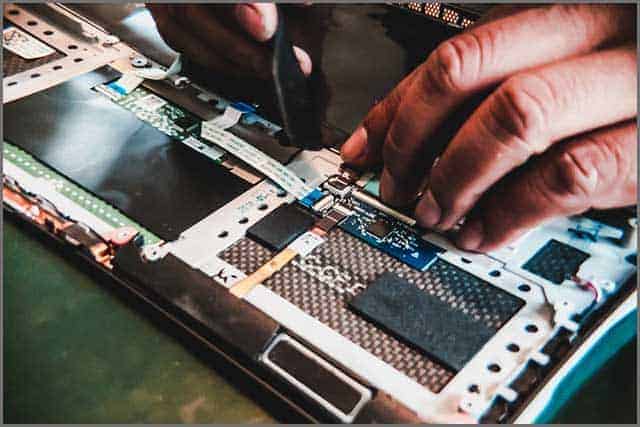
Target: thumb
x: 258, y: 19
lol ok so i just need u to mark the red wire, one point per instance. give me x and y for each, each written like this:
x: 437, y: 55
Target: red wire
x: 585, y: 284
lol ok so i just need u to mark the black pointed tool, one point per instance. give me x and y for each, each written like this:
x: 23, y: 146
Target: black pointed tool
x: 293, y: 92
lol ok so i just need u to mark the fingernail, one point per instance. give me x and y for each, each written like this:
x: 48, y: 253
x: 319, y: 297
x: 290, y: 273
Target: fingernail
x: 428, y: 212
x: 303, y: 59
x: 258, y: 19
x: 471, y: 236
x: 354, y: 148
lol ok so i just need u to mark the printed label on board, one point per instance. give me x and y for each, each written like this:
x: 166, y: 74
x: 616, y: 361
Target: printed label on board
x: 23, y: 44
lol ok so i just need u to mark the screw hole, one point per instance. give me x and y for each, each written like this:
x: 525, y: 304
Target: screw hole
x: 223, y: 234
x: 32, y: 23
x: 47, y: 32
x: 14, y: 12
x: 263, y: 207
x: 12, y: 83
x: 473, y: 388
x: 281, y: 193
x: 531, y: 329
x: 494, y: 367
x: 34, y: 75
x: 524, y: 288
x: 514, y: 348
x: 72, y: 47
x: 466, y: 260
x: 77, y: 60
x: 494, y: 273
x: 243, y: 220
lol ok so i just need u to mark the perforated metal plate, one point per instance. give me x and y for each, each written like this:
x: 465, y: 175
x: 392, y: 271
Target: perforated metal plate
x: 322, y: 283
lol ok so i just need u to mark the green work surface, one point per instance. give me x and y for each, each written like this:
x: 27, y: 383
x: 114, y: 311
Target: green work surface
x: 76, y: 351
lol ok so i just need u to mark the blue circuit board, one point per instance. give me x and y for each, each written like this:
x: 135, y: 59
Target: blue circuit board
x: 390, y: 236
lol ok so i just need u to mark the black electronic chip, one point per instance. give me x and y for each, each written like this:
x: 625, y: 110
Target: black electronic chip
x: 281, y: 226
x: 186, y: 122
x: 422, y: 320
x: 379, y: 228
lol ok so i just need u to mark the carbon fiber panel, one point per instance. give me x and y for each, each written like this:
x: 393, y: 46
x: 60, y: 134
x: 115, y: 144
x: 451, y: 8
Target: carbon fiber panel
x: 471, y: 295
x: 321, y: 284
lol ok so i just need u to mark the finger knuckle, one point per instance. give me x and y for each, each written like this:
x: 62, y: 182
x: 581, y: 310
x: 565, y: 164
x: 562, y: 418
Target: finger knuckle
x: 580, y: 19
x: 520, y: 111
x: 604, y: 154
x: 573, y: 174
x: 444, y: 68
x: 458, y: 62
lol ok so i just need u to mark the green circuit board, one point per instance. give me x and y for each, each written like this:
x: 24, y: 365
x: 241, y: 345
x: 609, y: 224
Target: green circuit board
x: 88, y: 201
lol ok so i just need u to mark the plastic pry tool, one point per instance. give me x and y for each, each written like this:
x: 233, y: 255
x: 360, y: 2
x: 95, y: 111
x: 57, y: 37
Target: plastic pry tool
x: 293, y: 92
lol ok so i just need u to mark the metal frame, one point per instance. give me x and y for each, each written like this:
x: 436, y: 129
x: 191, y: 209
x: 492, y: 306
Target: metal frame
x: 198, y: 246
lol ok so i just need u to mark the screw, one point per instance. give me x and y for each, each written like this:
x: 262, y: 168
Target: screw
x: 139, y: 62
x: 110, y: 41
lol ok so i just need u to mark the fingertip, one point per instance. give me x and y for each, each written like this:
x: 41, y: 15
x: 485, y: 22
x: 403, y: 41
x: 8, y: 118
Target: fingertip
x: 304, y: 60
x: 471, y: 236
x: 355, y: 147
x: 428, y: 211
x: 258, y: 19
x: 269, y: 15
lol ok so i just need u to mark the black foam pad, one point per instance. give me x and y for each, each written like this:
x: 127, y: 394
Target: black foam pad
x: 422, y: 320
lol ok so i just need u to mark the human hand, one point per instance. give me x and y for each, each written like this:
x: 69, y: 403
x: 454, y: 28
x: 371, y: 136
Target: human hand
x: 225, y: 38
x: 556, y: 135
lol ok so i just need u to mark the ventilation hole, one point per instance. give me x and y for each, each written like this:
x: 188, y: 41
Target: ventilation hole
x: 34, y: 75
x: 243, y: 220
x: 473, y: 388
x: 12, y: 83
x: 513, y: 348
x: 72, y: 47
x: 263, y: 207
x: 77, y: 60
x: 14, y: 12
x: 57, y: 67
x: 47, y: 33
x: 494, y: 367
x: 223, y: 234
x: 32, y: 23
x: 531, y: 328
x: 494, y: 273
x: 465, y: 260
x: 524, y: 288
